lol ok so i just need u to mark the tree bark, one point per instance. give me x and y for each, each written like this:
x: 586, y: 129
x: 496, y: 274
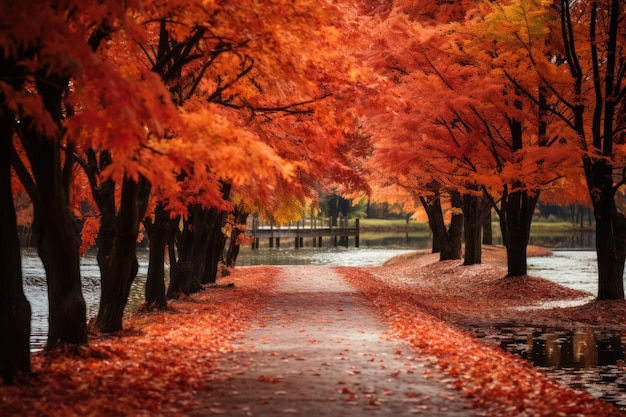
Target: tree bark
x: 610, y: 231
x: 516, y: 214
x: 606, y: 78
x: 487, y: 230
x: 186, y: 241
x: 216, y: 241
x: 14, y: 307
x: 119, y: 264
x: 239, y: 228
x: 448, y: 239
x: 215, y: 250
x: 158, y: 232
x: 472, y: 222
x: 54, y: 227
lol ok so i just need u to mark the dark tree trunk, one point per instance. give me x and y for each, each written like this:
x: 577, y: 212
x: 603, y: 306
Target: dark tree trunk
x: 203, y: 224
x: 449, y: 239
x: 516, y: 215
x: 54, y: 227
x: 472, y: 222
x: 337, y: 206
x: 158, y: 232
x: 14, y: 307
x: 454, y: 237
x: 233, y: 249
x: 119, y: 269
x: 610, y: 231
x: 215, y: 250
x: 487, y: 230
x: 181, y: 280
x: 216, y: 241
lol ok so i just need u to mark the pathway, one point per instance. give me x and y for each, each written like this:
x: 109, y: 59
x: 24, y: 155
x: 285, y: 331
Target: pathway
x: 318, y: 350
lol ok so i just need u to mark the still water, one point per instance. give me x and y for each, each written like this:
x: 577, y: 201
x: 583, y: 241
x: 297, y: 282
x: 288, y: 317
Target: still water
x: 36, y: 291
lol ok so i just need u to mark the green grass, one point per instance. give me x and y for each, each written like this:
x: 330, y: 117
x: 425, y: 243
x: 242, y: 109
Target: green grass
x: 400, y: 225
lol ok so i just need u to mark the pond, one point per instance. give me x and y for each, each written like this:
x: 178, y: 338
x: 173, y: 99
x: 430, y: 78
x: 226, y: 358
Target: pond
x: 36, y: 292
x: 581, y: 358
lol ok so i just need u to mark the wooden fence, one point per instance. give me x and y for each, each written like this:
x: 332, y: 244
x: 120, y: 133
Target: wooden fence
x: 314, y: 228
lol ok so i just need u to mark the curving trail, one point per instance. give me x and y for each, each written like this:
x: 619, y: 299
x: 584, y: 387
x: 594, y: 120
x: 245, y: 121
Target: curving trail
x: 318, y: 350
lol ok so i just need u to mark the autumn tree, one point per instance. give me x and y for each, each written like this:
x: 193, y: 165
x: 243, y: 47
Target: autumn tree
x: 581, y: 86
x: 14, y: 308
x: 39, y: 159
x: 461, y: 120
x: 593, y: 38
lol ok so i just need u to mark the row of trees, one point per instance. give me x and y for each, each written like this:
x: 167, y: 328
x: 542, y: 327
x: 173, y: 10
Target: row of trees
x: 176, y: 118
x: 172, y: 119
x: 495, y: 104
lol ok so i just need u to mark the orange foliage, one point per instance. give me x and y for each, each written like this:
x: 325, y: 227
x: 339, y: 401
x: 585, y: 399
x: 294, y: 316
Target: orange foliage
x: 446, y: 103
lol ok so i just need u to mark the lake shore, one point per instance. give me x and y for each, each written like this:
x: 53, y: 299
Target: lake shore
x: 449, y: 312
x: 481, y: 295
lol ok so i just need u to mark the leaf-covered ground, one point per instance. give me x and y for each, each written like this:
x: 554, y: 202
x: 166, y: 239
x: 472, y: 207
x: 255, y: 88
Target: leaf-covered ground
x: 154, y: 367
x: 429, y: 303
x: 481, y: 294
x: 164, y: 362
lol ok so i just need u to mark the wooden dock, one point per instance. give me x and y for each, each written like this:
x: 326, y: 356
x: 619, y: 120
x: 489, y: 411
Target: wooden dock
x: 313, y: 229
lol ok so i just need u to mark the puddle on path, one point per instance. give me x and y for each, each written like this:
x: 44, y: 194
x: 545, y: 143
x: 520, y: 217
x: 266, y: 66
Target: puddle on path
x: 584, y: 359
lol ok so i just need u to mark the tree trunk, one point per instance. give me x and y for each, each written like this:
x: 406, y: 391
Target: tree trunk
x: 516, y: 214
x: 472, y: 228
x: 233, y: 249
x: 448, y: 239
x: 181, y: 278
x: 487, y: 230
x: 203, y: 229
x: 54, y: 227
x: 337, y: 206
x: 119, y: 271
x: 14, y: 307
x: 610, y: 231
x: 454, y: 236
x: 158, y: 232
x: 217, y: 240
x: 215, y: 249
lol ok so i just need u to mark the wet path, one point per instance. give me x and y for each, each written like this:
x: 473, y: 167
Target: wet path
x: 318, y: 350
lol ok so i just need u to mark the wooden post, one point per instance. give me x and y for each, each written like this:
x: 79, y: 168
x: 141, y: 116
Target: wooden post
x: 356, y: 238
x: 298, y: 235
x: 271, y: 235
x: 278, y: 242
x: 255, y: 227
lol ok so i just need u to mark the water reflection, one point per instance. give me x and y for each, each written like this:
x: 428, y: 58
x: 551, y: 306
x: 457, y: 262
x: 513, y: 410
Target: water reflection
x: 564, y: 349
x: 581, y: 359
x: 36, y: 291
